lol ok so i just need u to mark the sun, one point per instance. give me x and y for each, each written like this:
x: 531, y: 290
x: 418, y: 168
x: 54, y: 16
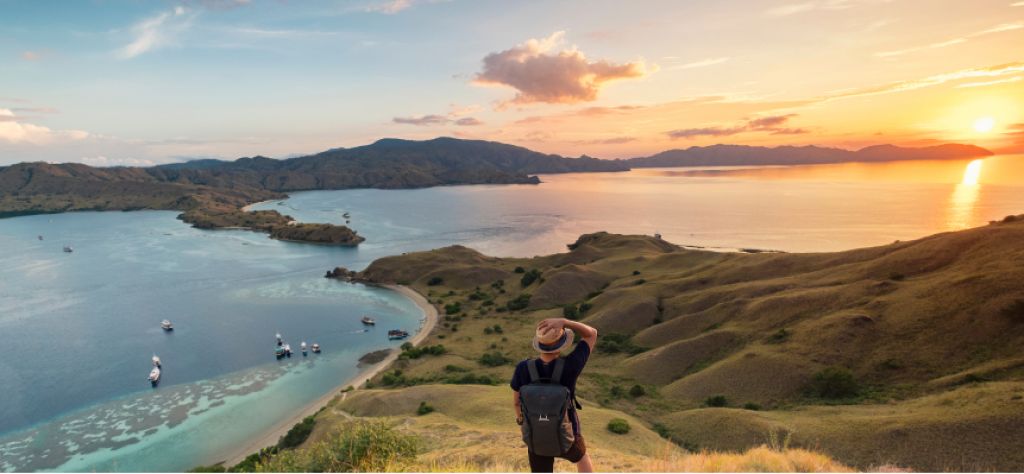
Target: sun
x: 984, y: 124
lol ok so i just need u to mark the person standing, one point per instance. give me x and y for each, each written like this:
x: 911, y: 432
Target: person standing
x: 550, y: 369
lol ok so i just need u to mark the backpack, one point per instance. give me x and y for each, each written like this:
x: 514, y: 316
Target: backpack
x: 546, y: 405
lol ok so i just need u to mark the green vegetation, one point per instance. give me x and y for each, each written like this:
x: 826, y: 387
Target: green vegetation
x: 518, y: 303
x: 434, y: 281
x: 519, y: 270
x: 834, y: 383
x: 529, y: 277
x: 779, y: 336
x: 571, y: 312
x: 356, y: 447
x: 494, y: 359
x: 453, y: 308
x: 417, y: 352
x: 298, y: 434
x: 424, y: 409
x: 751, y: 406
x: 616, y: 343
x: 618, y: 426
x: 637, y: 391
x: 716, y: 401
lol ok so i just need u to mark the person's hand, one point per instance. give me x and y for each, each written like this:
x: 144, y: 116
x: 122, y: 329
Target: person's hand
x: 556, y: 324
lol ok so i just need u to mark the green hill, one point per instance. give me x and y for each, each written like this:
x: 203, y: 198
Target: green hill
x: 904, y: 354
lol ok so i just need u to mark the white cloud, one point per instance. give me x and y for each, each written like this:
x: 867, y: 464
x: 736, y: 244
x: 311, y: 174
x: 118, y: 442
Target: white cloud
x: 13, y: 130
x: 156, y: 32
x: 990, y: 83
x: 389, y: 7
x: 101, y: 160
x: 930, y: 81
x: 952, y: 41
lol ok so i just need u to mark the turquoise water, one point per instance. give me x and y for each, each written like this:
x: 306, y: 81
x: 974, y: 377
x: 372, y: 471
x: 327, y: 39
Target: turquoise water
x: 79, y: 330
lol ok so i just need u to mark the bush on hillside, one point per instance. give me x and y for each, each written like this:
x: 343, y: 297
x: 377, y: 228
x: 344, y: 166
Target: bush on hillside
x: 452, y: 308
x: 519, y: 303
x: 751, y: 406
x: 637, y: 391
x: 494, y: 359
x: 297, y: 434
x: 530, y: 277
x: 434, y: 281
x: 570, y: 312
x: 358, y: 447
x: 618, y: 426
x: 616, y: 343
x: 716, y: 401
x: 834, y: 383
x: 417, y: 352
x: 424, y: 409
x: 519, y: 270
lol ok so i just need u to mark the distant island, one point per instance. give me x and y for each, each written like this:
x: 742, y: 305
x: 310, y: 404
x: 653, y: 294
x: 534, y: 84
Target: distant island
x: 212, y: 193
x: 742, y: 155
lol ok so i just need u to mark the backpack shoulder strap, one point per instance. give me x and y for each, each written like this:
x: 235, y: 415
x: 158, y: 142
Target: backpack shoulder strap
x: 556, y: 376
x: 531, y: 366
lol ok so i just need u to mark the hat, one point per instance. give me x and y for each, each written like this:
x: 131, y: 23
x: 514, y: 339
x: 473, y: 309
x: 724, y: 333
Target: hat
x: 551, y: 341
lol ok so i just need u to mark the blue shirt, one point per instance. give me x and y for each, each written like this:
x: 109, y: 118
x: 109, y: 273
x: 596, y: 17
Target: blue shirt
x: 574, y: 363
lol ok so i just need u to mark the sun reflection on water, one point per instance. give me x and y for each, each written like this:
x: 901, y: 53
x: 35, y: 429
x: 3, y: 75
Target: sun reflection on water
x: 965, y: 197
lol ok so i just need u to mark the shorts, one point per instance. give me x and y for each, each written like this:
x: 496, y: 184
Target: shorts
x: 547, y: 463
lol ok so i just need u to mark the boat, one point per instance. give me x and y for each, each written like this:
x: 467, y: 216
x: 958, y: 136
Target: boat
x: 68, y: 249
x: 346, y: 215
x: 287, y: 350
x: 40, y: 237
x: 154, y: 376
x: 316, y: 348
x: 279, y: 351
x: 368, y: 321
x: 278, y: 336
x: 302, y: 347
x: 397, y: 334
x: 166, y: 325
x: 156, y: 361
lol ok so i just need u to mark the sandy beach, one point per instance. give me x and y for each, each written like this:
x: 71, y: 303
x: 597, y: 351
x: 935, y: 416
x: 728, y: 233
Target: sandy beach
x: 271, y: 437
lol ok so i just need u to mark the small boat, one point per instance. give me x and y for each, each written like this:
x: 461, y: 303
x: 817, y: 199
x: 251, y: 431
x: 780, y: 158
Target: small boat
x: 279, y: 352
x: 68, y: 249
x: 368, y: 321
x: 278, y: 336
x: 397, y: 334
x: 156, y: 361
x: 302, y: 347
x: 316, y: 348
x: 40, y: 237
x: 154, y: 376
x: 346, y: 215
x: 287, y: 350
x: 166, y: 325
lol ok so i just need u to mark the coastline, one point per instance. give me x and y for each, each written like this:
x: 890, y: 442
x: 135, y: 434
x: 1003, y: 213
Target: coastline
x: 270, y: 437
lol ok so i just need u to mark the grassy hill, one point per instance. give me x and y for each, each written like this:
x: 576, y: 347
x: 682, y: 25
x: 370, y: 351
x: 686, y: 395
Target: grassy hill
x: 904, y: 354
x: 743, y: 155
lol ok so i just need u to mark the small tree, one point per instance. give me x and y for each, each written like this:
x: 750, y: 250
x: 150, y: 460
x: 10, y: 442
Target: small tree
x: 434, y: 281
x: 424, y: 409
x: 716, y: 401
x: 637, y: 391
x: 834, y: 382
x: 570, y: 312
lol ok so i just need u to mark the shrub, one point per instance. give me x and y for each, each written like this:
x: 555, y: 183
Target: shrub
x: 455, y: 368
x: 518, y: 303
x: 494, y: 359
x: 519, y: 270
x: 424, y: 409
x: 617, y: 391
x: 406, y: 346
x: 434, y: 281
x: 779, y: 336
x: 498, y: 329
x: 417, y: 352
x: 616, y: 343
x: 662, y: 430
x: 896, y: 276
x: 452, y: 308
x: 584, y: 307
x: 618, y: 426
x: 570, y: 312
x: 751, y: 406
x: 488, y: 330
x: 637, y: 391
x: 716, y: 401
x: 834, y: 382
x: 299, y: 433
x: 358, y: 447
x: 530, y: 277
x: 640, y: 282
x: 636, y: 272
x: 1015, y: 311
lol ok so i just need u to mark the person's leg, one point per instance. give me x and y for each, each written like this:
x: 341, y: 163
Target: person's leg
x: 584, y: 464
x: 541, y: 463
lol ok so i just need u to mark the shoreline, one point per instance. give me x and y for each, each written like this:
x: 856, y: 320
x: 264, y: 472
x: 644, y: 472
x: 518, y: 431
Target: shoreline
x: 270, y: 437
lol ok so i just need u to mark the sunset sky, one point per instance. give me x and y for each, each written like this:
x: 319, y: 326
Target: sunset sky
x: 144, y: 82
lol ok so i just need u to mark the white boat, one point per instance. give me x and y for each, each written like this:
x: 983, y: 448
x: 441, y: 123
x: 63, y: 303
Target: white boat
x: 302, y: 347
x: 166, y: 325
x: 154, y: 375
x: 368, y: 321
x: 156, y: 361
x: 287, y: 350
x: 316, y: 348
x: 278, y: 336
x: 68, y: 249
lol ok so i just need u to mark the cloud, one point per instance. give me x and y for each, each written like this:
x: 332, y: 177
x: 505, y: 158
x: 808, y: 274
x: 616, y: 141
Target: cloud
x: 539, y: 74
x: 930, y: 81
x: 952, y: 41
x: 772, y: 124
x: 804, y: 7
x: 1017, y: 4
x: 389, y: 7
x: 701, y: 63
x: 434, y: 119
x: 606, y: 141
x: 990, y: 83
x: 14, y: 130
x: 156, y: 32
x: 102, y: 161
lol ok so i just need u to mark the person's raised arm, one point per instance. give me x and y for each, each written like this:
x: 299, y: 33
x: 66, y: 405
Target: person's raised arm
x: 587, y: 333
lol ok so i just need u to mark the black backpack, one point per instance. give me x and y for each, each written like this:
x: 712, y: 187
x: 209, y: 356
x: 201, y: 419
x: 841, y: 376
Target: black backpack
x: 546, y: 406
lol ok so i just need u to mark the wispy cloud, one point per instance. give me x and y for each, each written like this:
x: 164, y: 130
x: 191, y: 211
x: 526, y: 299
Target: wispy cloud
x: 990, y: 83
x: 930, y: 81
x: 156, y: 32
x: 435, y: 120
x: 803, y: 7
x: 539, y: 73
x: 699, y: 64
x: 952, y: 41
x: 1017, y: 4
x: 773, y: 124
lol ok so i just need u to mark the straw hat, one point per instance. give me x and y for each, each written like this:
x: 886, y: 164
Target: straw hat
x: 550, y: 340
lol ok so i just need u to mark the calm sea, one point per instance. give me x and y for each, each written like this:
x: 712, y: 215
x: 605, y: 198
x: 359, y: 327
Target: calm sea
x: 79, y: 329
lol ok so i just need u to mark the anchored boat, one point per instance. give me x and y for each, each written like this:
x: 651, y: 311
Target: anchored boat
x: 154, y: 376
x: 368, y: 321
x: 156, y: 361
x: 397, y: 334
x: 302, y: 347
x: 68, y: 249
x: 316, y: 348
x: 166, y: 325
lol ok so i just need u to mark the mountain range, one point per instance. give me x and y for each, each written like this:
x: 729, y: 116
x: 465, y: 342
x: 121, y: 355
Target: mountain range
x: 742, y: 155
